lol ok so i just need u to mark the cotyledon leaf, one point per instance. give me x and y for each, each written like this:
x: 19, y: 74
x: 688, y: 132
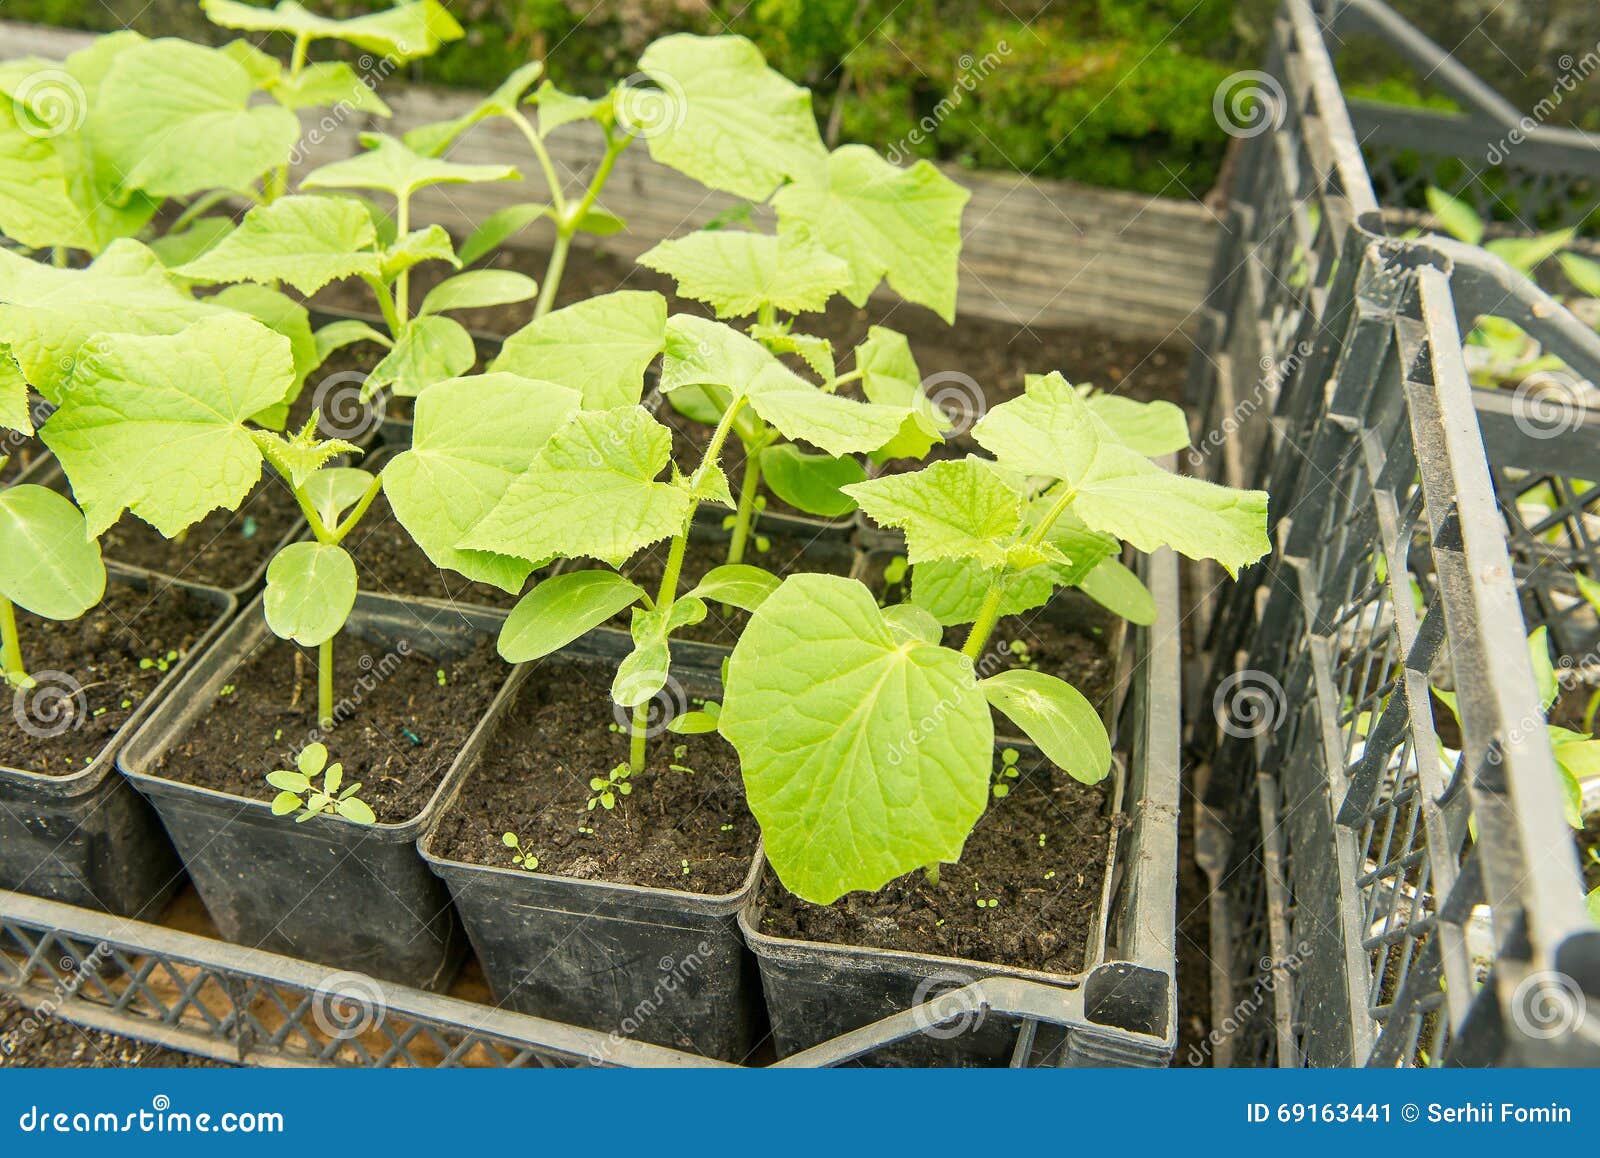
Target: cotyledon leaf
x: 311, y: 589
x: 48, y: 563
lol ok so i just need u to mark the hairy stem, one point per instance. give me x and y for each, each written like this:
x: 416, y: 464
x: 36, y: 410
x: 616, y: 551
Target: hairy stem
x: 932, y: 873
x: 325, y: 685
x: 989, y: 610
x: 402, y: 283
x: 844, y: 379
x: 744, y: 516
x: 385, y: 305
x: 568, y: 218
x: 11, y: 646
x: 552, y: 273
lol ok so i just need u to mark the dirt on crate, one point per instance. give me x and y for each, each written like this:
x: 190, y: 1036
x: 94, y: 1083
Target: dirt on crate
x: 94, y: 672
x: 401, y: 720
x: 1025, y: 894
x: 390, y: 563
x: 30, y: 1037
x: 684, y: 828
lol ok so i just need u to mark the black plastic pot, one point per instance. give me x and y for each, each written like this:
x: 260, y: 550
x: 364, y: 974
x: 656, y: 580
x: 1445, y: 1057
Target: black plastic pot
x: 663, y: 966
x: 1120, y: 1009
x: 89, y: 839
x: 356, y: 897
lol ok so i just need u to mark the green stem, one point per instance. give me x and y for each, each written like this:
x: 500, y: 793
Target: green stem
x: 744, y: 516
x: 843, y: 379
x: 558, y: 200
x: 198, y: 206
x: 568, y: 217
x: 385, y: 306
x: 11, y: 646
x: 277, y: 182
x: 338, y: 533
x: 325, y: 685
x: 989, y: 610
x: 552, y: 274
x: 932, y: 873
x: 58, y: 256
x: 402, y: 283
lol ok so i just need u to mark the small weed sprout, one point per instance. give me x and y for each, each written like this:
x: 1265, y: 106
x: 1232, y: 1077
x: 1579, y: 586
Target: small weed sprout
x: 519, y: 856
x: 298, y: 789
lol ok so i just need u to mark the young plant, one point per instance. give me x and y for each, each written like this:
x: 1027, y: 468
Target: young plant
x: 519, y: 856
x: 866, y: 746
x: 298, y: 789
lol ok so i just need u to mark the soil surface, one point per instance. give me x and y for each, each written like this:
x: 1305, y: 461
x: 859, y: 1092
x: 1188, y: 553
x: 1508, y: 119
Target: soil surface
x: 400, y: 726
x: 676, y: 829
x: 94, y: 672
x: 1025, y: 894
x: 31, y: 1038
x: 390, y: 563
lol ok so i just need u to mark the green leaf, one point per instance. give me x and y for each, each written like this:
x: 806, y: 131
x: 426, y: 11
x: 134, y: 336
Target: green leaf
x: 817, y: 352
x: 472, y: 437
x: 721, y: 115
x: 338, y: 335
x: 433, y: 140
x: 430, y: 349
x: 737, y: 584
x: 890, y: 376
x: 305, y: 241
x: 562, y: 608
x: 1149, y: 428
x: 1049, y: 431
x: 311, y: 589
x: 284, y: 315
x: 313, y: 758
x: 738, y: 273
x: 356, y: 811
x: 48, y: 563
x: 1057, y: 718
x: 591, y: 490
x: 903, y: 224
x: 156, y: 425
x: 1589, y: 589
x: 15, y: 413
x: 404, y: 32
x: 499, y: 227
x: 416, y: 247
x: 289, y: 781
x: 1119, y: 590
x: 641, y: 674
x: 865, y: 755
x: 811, y: 482
x: 333, y: 490
x: 693, y: 724
x: 332, y: 84
x: 391, y: 167
x: 176, y: 119
x: 1582, y: 272
x: 911, y: 623
x: 600, y: 223
x: 1544, y: 672
x: 1455, y: 216
x: 284, y: 803
x: 299, y: 458
x: 557, y: 108
x: 180, y: 248
x: 601, y: 346
x: 1526, y: 254
x: 478, y: 288
x: 950, y: 510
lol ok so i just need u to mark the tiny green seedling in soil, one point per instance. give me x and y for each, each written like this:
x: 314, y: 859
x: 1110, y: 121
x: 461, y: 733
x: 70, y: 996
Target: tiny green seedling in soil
x: 298, y: 789
x: 610, y: 788
x: 519, y: 856
x: 1006, y: 773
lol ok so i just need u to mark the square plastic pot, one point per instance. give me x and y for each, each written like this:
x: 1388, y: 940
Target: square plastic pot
x: 664, y: 966
x: 355, y: 896
x: 89, y: 839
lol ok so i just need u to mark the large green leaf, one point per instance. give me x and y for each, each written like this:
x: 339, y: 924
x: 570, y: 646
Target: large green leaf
x: 279, y: 312
x: 738, y: 272
x: 601, y: 345
x: 903, y: 224
x: 402, y: 33
x: 1050, y: 431
x: 865, y: 752
x: 156, y: 425
x: 953, y: 590
x: 390, y: 166
x: 1119, y: 590
x: 560, y: 609
x: 306, y: 241
x: 721, y: 116
x: 478, y: 288
x: 311, y: 589
x: 472, y: 437
x: 960, y: 509
x: 332, y: 84
x: 889, y: 375
x: 591, y: 490
x: 1056, y: 717
x: 811, y: 482
x: 430, y: 349
x: 49, y: 564
x: 176, y: 119
x: 15, y: 413
x: 1150, y: 428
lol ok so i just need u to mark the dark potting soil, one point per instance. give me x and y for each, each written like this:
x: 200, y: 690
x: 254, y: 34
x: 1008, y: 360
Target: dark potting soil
x: 390, y: 563
x: 1025, y: 894
x: 402, y: 717
x: 677, y: 829
x: 30, y: 1037
x: 94, y: 672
